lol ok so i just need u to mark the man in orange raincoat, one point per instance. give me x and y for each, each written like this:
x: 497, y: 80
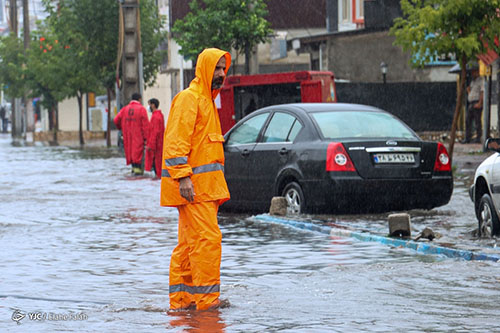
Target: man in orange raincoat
x: 154, y: 144
x: 133, y: 121
x: 193, y: 181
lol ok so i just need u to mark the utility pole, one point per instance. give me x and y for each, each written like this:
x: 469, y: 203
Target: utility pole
x: 29, y: 117
x: 131, y: 50
x: 15, y: 114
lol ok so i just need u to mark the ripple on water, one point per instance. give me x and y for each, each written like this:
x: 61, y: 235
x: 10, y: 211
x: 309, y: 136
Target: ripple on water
x: 78, y: 235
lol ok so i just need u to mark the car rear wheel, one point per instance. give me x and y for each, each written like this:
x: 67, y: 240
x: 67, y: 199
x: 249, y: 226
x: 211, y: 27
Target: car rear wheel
x: 294, y: 198
x: 488, y: 218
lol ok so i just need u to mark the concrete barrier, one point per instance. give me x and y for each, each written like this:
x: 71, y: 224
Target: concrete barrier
x: 420, y: 247
x: 278, y: 206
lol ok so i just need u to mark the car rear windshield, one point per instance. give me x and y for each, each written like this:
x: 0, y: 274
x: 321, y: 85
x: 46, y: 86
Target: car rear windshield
x: 357, y: 124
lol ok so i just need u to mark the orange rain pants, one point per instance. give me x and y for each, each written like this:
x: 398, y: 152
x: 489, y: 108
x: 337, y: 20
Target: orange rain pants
x: 195, y: 261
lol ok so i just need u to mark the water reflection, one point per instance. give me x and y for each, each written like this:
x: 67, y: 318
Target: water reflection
x: 198, y: 321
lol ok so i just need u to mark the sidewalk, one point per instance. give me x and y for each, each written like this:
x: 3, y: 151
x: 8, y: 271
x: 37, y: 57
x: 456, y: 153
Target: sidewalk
x: 467, y: 157
x: 71, y: 139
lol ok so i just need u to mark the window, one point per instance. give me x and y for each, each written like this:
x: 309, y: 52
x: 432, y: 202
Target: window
x: 248, y: 132
x: 351, y: 14
x: 359, y: 11
x: 345, y: 11
x: 283, y: 127
x: 296, y: 127
x: 358, y: 124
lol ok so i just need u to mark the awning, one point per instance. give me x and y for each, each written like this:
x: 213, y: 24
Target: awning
x: 489, y: 56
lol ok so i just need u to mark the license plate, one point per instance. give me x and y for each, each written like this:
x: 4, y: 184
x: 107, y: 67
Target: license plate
x: 393, y: 158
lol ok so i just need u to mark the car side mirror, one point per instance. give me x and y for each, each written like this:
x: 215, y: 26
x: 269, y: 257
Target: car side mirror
x: 492, y: 144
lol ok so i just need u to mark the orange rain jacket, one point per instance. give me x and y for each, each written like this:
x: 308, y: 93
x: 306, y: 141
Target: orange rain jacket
x: 154, y: 145
x: 192, y: 145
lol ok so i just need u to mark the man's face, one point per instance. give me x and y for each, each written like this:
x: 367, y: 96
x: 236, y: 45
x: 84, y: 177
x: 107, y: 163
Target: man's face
x: 219, y: 74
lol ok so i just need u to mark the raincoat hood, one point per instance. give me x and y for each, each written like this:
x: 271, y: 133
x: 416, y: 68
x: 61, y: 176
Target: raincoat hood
x: 205, y: 67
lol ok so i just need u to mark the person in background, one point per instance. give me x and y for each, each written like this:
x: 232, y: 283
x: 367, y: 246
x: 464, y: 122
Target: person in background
x: 475, y: 109
x: 193, y: 181
x: 154, y: 143
x: 3, y: 118
x: 133, y: 121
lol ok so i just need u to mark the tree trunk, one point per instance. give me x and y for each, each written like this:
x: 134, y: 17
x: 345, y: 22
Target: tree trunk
x: 247, y: 59
x: 108, y: 130
x: 79, y: 97
x: 460, y: 94
x: 55, y: 122
x: 13, y: 118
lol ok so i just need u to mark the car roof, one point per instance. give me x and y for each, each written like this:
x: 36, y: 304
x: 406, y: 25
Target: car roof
x: 323, y: 107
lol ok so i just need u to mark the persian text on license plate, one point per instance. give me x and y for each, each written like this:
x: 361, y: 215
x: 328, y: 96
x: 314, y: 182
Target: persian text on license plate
x: 394, y: 158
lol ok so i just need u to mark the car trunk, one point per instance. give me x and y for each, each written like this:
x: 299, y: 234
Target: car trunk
x: 393, y: 159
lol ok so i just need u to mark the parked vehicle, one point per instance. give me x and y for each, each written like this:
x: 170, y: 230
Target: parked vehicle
x: 330, y: 157
x: 243, y: 94
x: 485, y: 191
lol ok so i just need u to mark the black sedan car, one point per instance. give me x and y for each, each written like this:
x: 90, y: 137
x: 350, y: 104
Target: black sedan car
x: 332, y: 157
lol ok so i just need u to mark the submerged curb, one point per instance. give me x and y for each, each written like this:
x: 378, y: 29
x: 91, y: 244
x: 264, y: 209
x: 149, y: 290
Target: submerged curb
x: 420, y: 247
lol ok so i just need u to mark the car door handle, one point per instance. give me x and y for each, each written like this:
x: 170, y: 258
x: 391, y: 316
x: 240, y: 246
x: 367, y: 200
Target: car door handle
x: 283, y: 151
x: 245, y: 153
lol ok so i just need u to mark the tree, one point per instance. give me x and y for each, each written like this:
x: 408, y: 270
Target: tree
x: 462, y: 27
x: 44, y: 73
x: 226, y: 24
x: 12, y: 73
x: 97, y: 23
x: 76, y: 53
x: 12, y: 70
x: 76, y: 67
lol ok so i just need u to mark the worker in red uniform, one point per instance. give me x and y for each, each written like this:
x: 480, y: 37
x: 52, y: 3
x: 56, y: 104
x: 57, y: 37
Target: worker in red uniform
x: 133, y: 121
x: 193, y: 181
x: 154, y: 144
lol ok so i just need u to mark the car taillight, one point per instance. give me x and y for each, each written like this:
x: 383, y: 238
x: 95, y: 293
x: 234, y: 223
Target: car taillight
x: 337, y: 158
x: 442, y: 159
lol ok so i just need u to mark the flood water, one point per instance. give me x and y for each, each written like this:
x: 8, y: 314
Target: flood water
x: 86, y: 248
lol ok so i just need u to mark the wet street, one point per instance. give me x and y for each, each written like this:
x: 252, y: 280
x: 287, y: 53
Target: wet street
x: 85, y: 248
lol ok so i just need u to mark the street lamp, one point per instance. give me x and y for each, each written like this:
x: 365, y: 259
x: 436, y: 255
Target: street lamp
x: 383, y: 69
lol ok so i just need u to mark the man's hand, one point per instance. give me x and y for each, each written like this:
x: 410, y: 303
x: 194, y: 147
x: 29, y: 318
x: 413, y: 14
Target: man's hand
x: 186, y: 189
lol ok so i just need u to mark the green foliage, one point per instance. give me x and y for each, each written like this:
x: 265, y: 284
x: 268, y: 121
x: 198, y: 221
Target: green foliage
x: 76, y: 67
x: 431, y: 27
x: 98, y: 23
x: 151, y: 37
x: 89, y: 31
x: 225, y: 24
x: 12, y: 71
x: 461, y: 27
x: 44, y: 69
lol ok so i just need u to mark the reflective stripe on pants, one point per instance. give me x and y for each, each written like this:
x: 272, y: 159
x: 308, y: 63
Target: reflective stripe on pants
x: 195, y: 261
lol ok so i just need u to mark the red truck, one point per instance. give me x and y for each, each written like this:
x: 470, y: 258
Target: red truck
x: 243, y: 94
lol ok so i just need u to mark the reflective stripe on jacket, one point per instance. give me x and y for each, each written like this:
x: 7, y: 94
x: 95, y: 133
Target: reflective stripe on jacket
x: 192, y: 145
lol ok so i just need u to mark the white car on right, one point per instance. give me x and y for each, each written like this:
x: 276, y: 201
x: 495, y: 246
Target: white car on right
x: 485, y: 191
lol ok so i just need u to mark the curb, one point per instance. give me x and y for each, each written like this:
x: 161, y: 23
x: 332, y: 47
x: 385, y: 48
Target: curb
x: 420, y: 247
